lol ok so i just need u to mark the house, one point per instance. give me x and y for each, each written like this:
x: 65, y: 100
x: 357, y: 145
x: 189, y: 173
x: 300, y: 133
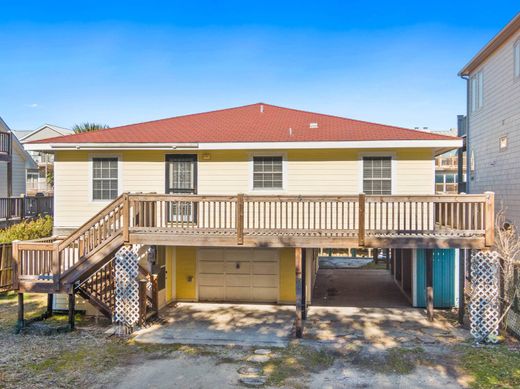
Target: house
x: 14, y: 163
x: 493, y: 119
x: 492, y: 126
x: 233, y: 205
x: 40, y: 180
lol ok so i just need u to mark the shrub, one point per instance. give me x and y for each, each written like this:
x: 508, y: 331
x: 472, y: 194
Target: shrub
x: 39, y: 228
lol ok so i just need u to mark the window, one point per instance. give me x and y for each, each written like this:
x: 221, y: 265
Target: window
x: 477, y: 91
x: 517, y: 58
x: 377, y: 175
x: 267, y: 172
x: 104, y: 178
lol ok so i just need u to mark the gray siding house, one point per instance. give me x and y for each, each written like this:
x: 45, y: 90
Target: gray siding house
x: 493, y: 120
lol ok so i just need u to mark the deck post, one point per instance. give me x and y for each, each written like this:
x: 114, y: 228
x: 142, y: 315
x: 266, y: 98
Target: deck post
x: 304, y: 284
x: 50, y: 298
x: 429, y: 283
x: 142, y: 301
x: 239, y: 222
x: 155, y: 294
x: 462, y: 280
x: 490, y: 218
x: 72, y: 309
x: 298, y: 266
x: 361, y: 220
x: 21, y: 321
x: 126, y: 217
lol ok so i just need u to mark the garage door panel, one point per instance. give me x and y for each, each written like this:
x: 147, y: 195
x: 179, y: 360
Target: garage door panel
x: 211, y: 293
x: 238, y: 280
x: 265, y: 294
x: 265, y: 268
x: 211, y: 266
x: 238, y: 293
x: 211, y: 280
x: 211, y: 254
x: 237, y: 254
x: 264, y: 281
x: 265, y: 255
x: 238, y: 267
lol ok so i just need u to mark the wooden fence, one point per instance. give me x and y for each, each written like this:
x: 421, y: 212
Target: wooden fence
x: 6, y: 267
x: 20, y: 208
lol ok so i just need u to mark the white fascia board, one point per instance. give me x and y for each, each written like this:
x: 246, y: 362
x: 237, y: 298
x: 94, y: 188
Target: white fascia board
x: 388, y: 144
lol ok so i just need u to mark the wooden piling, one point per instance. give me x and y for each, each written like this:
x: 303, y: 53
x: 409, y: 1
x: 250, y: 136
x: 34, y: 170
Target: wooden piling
x: 20, y: 322
x: 72, y: 309
x: 50, y: 298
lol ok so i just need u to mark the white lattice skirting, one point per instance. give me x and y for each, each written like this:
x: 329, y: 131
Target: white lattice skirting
x: 126, y: 310
x: 484, y: 309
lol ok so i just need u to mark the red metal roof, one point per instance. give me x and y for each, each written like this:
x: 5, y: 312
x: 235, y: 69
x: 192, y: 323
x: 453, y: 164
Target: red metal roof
x: 250, y: 123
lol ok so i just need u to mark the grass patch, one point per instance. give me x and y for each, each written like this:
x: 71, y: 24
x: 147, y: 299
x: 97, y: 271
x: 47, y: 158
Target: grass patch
x: 296, y: 361
x: 491, y: 367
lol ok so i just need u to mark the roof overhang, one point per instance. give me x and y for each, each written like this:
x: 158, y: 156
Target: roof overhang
x: 439, y: 145
x: 497, y: 41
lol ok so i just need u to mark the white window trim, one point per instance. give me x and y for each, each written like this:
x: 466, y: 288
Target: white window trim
x: 393, y: 165
x: 284, y: 172
x: 90, y: 193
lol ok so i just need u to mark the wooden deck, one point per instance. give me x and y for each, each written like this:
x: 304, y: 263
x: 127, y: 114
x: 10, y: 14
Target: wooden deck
x: 445, y: 221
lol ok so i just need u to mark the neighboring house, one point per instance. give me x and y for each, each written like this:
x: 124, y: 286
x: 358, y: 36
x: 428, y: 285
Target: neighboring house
x: 234, y: 203
x: 40, y: 180
x: 493, y: 119
x: 446, y: 170
x: 14, y: 164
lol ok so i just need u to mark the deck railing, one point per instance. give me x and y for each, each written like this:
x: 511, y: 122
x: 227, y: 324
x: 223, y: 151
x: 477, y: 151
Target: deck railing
x: 349, y: 221
x: 20, y: 208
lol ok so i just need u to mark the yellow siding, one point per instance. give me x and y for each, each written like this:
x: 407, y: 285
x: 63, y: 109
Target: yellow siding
x: 287, y: 288
x: 185, y: 267
x: 229, y: 172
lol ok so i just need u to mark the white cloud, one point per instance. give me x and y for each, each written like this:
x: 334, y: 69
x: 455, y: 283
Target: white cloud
x: 33, y: 105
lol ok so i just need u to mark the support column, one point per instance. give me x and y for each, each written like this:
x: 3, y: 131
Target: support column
x: 429, y: 283
x: 50, y: 298
x: 299, y: 292
x: 72, y: 309
x: 304, y: 284
x: 375, y: 253
x: 387, y: 256
x: 21, y: 321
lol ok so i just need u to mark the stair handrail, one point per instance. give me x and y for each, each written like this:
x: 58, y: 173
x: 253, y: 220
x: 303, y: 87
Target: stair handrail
x: 91, y: 222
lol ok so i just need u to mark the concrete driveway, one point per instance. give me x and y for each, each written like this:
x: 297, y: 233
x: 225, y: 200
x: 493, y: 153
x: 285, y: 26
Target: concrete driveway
x: 222, y: 324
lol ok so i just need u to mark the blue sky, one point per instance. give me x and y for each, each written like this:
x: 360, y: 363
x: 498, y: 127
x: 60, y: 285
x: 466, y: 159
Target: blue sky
x: 125, y: 62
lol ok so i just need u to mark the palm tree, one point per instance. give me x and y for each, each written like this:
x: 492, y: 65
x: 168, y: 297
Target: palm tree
x: 87, y: 127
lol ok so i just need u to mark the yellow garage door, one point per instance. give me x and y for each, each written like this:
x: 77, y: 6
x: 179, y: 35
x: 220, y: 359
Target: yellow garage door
x: 238, y: 275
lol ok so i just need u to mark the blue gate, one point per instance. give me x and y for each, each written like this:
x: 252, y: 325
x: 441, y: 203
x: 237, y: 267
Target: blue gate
x: 444, y: 267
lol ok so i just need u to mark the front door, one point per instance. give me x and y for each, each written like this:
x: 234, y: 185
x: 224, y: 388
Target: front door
x: 181, y: 179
